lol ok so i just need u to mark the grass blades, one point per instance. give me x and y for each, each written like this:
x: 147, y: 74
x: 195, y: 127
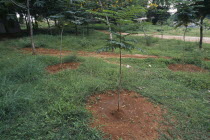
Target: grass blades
x: 37, y: 105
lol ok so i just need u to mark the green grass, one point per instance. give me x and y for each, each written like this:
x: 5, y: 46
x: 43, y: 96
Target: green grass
x: 70, y: 42
x: 97, y: 40
x: 171, y: 48
x: 37, y: 105
x: 170, y: 30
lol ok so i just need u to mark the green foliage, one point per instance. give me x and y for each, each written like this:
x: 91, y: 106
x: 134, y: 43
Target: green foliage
x: 185, y: 15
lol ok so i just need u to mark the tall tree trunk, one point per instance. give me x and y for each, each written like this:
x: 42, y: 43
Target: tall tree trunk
x: 31, y: 28
x: 201, y: 33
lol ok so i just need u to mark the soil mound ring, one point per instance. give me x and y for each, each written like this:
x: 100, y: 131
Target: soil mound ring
x: 186, y: 67
x: 138, y: 119
x: 59, y: 67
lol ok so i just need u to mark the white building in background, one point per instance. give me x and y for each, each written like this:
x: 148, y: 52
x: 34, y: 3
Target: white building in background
x: 172, y: 10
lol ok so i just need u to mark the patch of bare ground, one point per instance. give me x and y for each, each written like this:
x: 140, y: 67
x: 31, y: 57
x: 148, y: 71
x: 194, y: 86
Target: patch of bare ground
x: 137, y: 119
x: 59, y: 67
x: 186, y: 68
x: 47, y: 51
x: 206, y: 59
x: 54, y: 52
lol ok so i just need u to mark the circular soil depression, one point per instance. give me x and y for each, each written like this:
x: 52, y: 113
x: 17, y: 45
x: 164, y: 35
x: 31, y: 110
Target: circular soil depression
x: 186, y: 67
x: 59, y: 67
x: 137, y: 119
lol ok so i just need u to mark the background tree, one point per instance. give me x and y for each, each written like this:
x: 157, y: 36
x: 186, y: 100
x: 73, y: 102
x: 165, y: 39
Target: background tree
x: 184, y: 16
x: 157, y: 13
x: 202, y: 8
x: 8, y: 19
x: 27, y: 8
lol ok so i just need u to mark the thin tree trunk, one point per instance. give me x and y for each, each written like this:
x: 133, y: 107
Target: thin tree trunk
x: 27, y: 27
x: 120, y: 78
x: 31, y: 29
x: 145, y: 35
x: 76, y: 29
x: 21, y: 19
x: 184, y: 36
x: 87, y: 27
x: 201, y: 33
x: 110, y: 29
x: 108, y: 23
x: 185, y: 31
x: 36, y: 24
x: 161, y: 30
x: 49, y: 27
x: 55, y: 22
x: 61, y: 35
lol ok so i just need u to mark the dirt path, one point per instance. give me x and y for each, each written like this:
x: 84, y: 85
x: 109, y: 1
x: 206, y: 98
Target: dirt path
x: 54, y: 52
x: 187, y: 38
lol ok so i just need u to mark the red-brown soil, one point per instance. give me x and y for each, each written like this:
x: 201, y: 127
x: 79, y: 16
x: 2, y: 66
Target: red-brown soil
x: 186, y: 67
x: 138, y: 119
x: 47, y: 51
x: 54, y: 52
x: 59, y: 67
x: 207, y: 59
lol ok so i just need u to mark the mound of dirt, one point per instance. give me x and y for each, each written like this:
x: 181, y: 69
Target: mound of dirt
x: 137, y: 119
x: 186, y: 67
x: 59, y: 67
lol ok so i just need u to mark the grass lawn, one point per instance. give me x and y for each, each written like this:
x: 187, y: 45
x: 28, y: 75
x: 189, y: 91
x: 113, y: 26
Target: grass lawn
x: 156, y: 30
x: 37, y: 105
x: 169, y: 30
